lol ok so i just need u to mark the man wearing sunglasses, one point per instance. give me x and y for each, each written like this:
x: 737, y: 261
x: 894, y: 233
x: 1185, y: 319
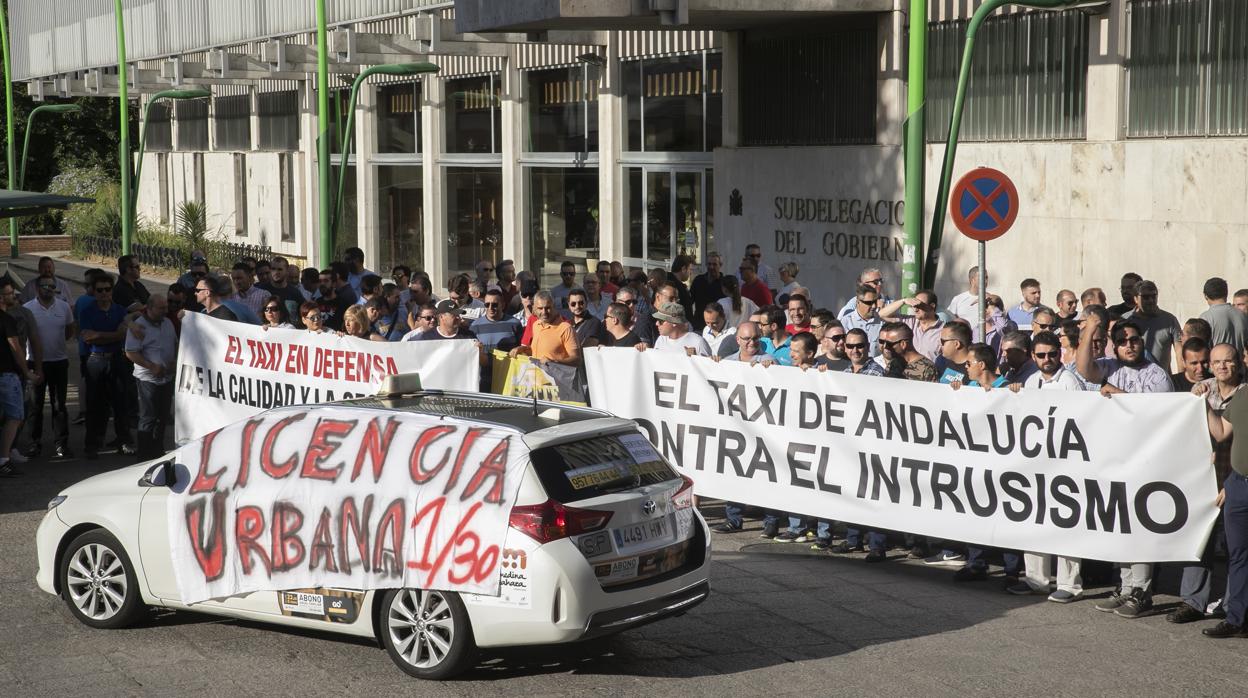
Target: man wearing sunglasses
x: 494, y: 330
x: 422, y: 318
x: 567, y: 281
x: 923, y: 321
x: 129, y: 290
x: 832, y: 347
x: 1046, y: 353
x: 54, y: 322
x: 1126, y: 372
x: 103, y: 331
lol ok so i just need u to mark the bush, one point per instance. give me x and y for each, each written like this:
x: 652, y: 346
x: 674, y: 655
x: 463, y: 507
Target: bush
x: 101, y: 218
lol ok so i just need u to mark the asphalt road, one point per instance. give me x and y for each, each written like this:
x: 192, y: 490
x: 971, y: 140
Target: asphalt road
x: 782, y: 620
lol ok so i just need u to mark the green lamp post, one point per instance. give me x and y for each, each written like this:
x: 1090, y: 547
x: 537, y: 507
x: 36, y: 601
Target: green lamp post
x: 30, y: 126
x: 345, y: 146
x: 196, y: 93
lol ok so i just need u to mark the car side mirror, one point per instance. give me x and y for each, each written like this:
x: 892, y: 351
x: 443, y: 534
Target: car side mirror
x: 162, y: 474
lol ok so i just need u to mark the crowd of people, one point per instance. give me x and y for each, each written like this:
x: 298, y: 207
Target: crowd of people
x: 127, y: 344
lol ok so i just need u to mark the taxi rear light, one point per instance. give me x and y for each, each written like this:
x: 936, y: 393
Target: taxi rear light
x: 683, y: 497
x: 551, y: 520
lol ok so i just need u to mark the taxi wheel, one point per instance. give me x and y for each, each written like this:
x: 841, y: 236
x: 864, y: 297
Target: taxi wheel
x: 98, y: 582
x: 427, y: 633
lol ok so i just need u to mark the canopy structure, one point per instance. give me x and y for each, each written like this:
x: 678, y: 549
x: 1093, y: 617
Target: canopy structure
x: 16, y: 204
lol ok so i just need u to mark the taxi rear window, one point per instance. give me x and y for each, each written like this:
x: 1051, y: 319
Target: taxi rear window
x: 599, y: 465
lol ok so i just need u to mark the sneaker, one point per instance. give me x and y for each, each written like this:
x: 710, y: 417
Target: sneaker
x: 917, y: 553
x: 1224, y: 630
x: 6, y: 470
x: 946, y: 559
x: 62, y: 453
x: 769, y: 532
x: 1022, y: 589
x: 821, y: 545
x: 1184, y: 614
x: 807, y: 536
x: 1112, y: 604
x: 789, y: 537
x: 126, y: 450
x: 844, y: 548
x: 16, y: 456
x: 970, y: 574
x: 876, y: 556
x: 1062, y: 596
x: 1135, y: 606
x: 725, y: 527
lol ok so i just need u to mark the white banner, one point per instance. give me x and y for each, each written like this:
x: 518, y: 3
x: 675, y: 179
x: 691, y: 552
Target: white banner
x: 346, y: 498
x: 229, y: 371
x: 1125, y: 479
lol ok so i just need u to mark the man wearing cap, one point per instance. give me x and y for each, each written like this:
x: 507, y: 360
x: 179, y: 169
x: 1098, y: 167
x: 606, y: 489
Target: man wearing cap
x: 674, y: 334
x: 448, y: 326
x: 553, y: 338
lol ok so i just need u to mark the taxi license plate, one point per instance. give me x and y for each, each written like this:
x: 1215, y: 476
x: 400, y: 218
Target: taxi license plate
x: 642, y: 534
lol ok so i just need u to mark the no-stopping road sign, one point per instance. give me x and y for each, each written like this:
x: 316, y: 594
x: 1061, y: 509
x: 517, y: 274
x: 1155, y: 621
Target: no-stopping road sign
x: 984, y: 204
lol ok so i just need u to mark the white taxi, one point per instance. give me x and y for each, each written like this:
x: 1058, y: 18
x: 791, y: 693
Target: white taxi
x: 598, y: 541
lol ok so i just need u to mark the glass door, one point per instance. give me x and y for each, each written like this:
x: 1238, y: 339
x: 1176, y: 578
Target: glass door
x: 668, y: 209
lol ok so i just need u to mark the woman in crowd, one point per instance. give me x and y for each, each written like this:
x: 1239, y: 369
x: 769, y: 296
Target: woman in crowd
x: 310, y: 311
x: 736, y: 308
x: 355, y: 324
x: 274, y: 314
x: 788, y: 277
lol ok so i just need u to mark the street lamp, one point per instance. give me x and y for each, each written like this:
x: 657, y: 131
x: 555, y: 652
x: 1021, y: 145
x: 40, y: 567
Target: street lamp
x: 955, y: 121
x: 345, y: 147
x: 8, y: 119
x: 30, y: 126
x: 196, y: 93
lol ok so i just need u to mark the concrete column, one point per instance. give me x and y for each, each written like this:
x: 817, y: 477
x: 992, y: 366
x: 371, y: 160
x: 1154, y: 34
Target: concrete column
x: 516, y: 243
x: 307, y: 241
x: 612, y: 206
x: 1107, y: 51
x: 367, y: 222
x: 433, y: 129
x: 890, y: 110
x: 732, y: 91
x: 255, y: 118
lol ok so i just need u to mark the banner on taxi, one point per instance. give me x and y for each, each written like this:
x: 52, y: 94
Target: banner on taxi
x: 1126, y: 478
x: 523, y: 377
x: 340, y: 497
x: 229, y: 371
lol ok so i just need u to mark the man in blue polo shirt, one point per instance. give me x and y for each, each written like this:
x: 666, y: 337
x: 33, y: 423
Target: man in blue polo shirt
x: 103, y: 331
x: 494, y: 330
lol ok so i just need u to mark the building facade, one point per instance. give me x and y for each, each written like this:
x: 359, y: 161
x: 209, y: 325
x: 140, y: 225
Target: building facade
x: 582, y: 131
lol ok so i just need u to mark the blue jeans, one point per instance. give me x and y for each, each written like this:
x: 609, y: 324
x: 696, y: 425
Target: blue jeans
x: 975, y: 559
x: 733, y: 514
x: 824, y: 531
x: 876, y: 540
x: 1235, y: 520
x: 772, y: 518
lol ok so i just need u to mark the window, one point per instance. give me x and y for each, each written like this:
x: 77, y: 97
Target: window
x: 563, y: 218
x: 398, y: 118
x: 669, y: 103
x: 279, y: 120
x: 240, y: 194
x: 1028, y: 78
x: 473, y: 216
x: 286, y: 182
x: 192, y: 116
x: 1187, y: 68
x: 401, y: 216
x: 563, y: 109
x: 473, y: 122
x: 232, y: 122
x: 160, y: 128
x: 810, y: 86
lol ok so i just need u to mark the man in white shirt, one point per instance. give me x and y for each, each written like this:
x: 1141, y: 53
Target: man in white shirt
x: 47, y: 270
x: 966, y: 304
x: 1046, y: 352
x: 54, y: 322
x: 154, y: 354
x: 674, y: 334
x: 718, y: 335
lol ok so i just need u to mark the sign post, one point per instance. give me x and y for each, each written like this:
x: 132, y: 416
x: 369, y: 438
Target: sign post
x: 984, y: 204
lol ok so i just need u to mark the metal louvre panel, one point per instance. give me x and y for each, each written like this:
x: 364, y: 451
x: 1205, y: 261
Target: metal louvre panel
x: 1188, y: 68
x: 636, y: 44
x: 1028, y: 78
x: 61, y: 36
